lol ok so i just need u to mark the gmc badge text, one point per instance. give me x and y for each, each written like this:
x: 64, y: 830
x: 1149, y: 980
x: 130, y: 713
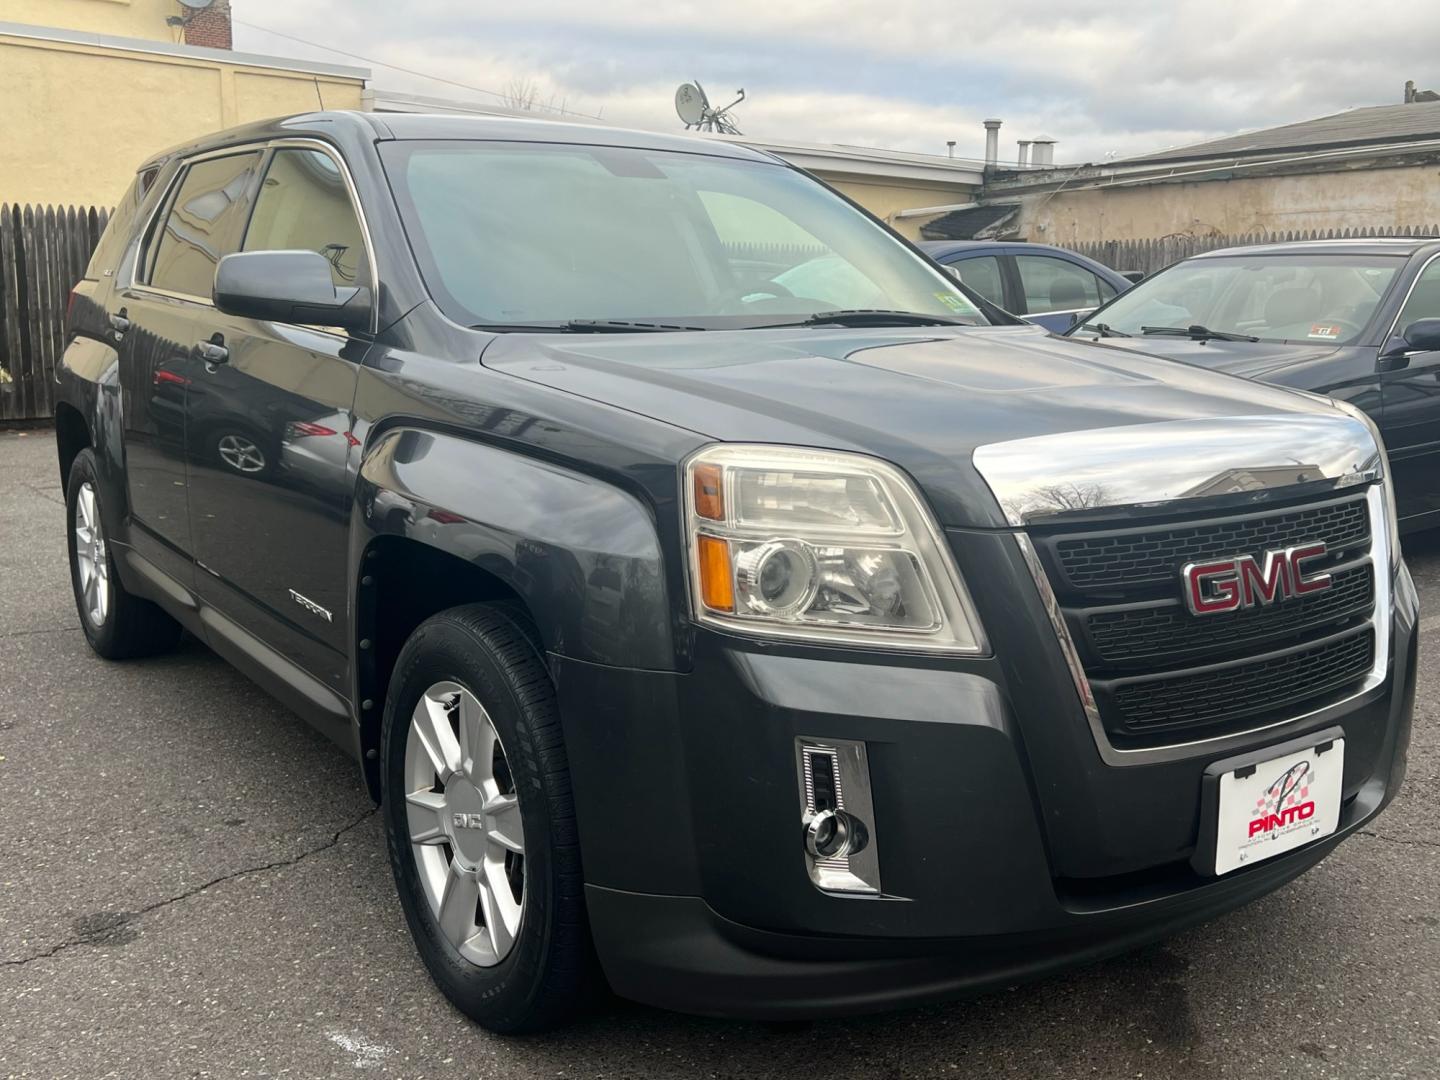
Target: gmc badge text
x: 698, y: 572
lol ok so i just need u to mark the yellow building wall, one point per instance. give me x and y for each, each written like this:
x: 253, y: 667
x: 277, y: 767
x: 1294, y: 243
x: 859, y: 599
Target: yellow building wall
x: 79, y: 119
x: 884, y: 200
x: 124, y: 18
x: 1361, y: 198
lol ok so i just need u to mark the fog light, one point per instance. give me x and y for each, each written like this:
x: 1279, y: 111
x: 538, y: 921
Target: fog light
x: 834, y: 834
x: 837, y: 815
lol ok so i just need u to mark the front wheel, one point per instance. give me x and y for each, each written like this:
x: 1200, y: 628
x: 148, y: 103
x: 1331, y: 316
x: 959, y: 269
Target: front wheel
x: 481, y: 823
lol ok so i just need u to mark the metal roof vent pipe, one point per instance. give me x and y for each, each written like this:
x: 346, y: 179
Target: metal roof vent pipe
x: 992, y: 142
x: 1043, y: 155
x: 1023, y: 157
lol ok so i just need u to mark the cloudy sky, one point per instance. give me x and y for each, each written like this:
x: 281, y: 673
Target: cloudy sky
x: 1101, y: 76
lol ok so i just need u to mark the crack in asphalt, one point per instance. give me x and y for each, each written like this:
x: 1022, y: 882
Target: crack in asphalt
x: 40, y: 630
x: 1397, y: 840
x: 42, y: 493
x: 99, y: 934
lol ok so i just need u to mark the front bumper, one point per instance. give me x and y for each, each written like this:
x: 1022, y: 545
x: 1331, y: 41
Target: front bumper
x: 1008, y: 848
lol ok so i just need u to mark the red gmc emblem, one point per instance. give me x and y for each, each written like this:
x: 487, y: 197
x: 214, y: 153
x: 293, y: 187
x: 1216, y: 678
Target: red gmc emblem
x: 1244, y: 581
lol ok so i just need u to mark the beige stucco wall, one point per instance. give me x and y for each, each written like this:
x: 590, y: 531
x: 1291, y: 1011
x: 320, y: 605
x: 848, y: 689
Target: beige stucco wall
x: 885, y: 199
x: 1335, y: 200
x: 125, y: 18
x: 80, y: 118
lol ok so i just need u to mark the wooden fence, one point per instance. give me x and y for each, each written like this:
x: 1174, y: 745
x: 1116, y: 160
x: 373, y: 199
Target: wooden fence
x: 43, y: 253
x: 1147, y: 256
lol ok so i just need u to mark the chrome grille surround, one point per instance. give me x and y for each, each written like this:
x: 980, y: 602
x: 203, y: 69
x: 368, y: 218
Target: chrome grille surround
x: 1118, y: 479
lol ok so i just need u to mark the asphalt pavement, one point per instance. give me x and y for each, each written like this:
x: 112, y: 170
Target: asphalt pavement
x: 193, y: 884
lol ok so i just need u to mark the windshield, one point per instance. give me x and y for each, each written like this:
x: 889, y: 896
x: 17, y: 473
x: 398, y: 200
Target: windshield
x: 1311, y: 298
x: 537, y: 234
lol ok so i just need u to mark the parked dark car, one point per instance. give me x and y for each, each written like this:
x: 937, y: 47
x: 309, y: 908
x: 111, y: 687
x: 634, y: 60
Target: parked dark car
x: 766, y: 656
x: 1353, y: 319
x: 1045, y: 285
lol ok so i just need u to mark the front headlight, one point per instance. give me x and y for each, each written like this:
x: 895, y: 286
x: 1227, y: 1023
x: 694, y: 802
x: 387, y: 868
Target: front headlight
x: 821, y: 545
x: 1387, y: 482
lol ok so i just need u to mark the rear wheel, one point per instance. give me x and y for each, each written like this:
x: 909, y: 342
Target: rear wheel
x: 480, y: 820
x: 117, y: 624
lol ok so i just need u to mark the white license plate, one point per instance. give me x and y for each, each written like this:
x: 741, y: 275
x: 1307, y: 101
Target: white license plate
x: 1278, y: 805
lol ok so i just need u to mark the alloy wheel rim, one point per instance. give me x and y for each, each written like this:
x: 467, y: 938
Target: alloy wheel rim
x: 464, y: 825
x: 92, y: 562
x: 240, y: 453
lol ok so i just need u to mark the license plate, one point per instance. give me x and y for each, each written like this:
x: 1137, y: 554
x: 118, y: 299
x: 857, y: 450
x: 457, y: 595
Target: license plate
x: 1275, y: 806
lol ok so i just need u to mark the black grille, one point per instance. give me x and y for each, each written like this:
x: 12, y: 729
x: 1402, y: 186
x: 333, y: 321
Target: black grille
x: 1245, y: 691
x: 1146, y: 556
x: 1138, y: 634
x: 1160, y: 674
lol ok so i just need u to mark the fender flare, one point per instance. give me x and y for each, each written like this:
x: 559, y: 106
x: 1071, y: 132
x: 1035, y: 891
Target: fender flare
x: 583, y: 555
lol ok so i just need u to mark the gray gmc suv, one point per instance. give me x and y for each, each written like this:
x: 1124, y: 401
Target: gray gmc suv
x: 718, y: 598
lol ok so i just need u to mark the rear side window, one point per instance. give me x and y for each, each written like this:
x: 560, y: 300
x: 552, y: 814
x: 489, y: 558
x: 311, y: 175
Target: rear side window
x: 304, y: 205
x: 106, y: 256
x: 201, y: 224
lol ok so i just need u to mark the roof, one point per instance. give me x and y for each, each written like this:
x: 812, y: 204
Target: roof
x: 968, y: 224
x: 1376, y: 125
x: 417, y: 126
x: 1402, y: 246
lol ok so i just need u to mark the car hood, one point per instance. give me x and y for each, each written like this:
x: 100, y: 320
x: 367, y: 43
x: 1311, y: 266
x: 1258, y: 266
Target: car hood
x: 1250, y: 359
x: 922, y: 398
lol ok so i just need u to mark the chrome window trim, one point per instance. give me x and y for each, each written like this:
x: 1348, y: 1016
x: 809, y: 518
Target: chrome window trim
x: 1380, y: 623
x: 248, y: 148
x: 1395, y: 323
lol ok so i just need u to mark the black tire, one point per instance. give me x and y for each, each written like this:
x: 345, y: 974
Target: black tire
x: 132, y: 627
x: 547, y: 975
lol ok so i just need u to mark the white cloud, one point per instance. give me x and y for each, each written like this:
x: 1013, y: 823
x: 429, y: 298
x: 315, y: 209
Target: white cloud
x: 1102, y: 75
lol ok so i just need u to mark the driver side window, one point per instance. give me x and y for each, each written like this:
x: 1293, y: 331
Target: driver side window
x: 304, y: 205
x: 1424, y: 300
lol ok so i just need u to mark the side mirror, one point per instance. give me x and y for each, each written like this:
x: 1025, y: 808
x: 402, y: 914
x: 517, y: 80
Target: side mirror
x: 288, y: 287
x: 954, y: 271
x: 1423, y: 335
x: 1133, y: 276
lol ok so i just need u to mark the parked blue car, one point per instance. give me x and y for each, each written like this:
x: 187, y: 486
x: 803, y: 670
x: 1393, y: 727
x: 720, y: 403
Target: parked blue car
x: 1042, y: 284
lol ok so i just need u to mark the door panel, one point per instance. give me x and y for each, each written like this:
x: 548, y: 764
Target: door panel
x: 1410, y: 413
x: 165, y: 311
x: 269, y: 442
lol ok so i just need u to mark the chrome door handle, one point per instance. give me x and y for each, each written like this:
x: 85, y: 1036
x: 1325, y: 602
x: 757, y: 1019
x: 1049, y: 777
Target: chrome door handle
x: 212, y: 352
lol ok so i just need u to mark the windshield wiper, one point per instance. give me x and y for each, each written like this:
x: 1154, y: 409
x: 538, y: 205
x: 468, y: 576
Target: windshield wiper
x: 871, y: 317
x: 585, y: 326
x: 1196, y: 333
x: 1105, y: 330
x: 620, y: 326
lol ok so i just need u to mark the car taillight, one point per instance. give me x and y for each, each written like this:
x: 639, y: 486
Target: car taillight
x: 304, y: 427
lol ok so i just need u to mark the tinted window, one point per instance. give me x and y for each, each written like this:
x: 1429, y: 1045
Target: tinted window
x: 304, y: 205
x: 1056, y: 285
x: 201, y: 224
x: 1424, y: 300
x: 982, y: 275
x: 536, y: 234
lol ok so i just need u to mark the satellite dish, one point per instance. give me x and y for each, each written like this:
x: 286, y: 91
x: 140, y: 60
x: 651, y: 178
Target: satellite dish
x: 196, y: 5
x: 695, y: 110
x: 691, y: 104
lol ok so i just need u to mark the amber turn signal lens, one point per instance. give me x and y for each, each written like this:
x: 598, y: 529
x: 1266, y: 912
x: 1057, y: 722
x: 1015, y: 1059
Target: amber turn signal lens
x: 717, y: 581
x: 709, y: 494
